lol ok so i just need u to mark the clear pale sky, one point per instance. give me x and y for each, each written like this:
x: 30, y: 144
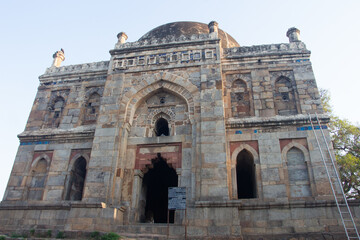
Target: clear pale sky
x: 31, y: 31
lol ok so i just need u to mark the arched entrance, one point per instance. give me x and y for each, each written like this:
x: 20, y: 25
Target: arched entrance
x: 156, y: 182
x: 76, y: 180
x: 245, y: 175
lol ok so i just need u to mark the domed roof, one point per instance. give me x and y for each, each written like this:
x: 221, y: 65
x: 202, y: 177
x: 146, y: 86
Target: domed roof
x: 176, y: 29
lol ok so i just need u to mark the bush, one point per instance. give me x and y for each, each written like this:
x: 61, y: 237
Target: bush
x: 95, y: 235
x: 32, y: 232
x: 49, y: 233
x: 16, y: 235
x: 60, y: 235
x: 2, y: 237
x: 110, y: 236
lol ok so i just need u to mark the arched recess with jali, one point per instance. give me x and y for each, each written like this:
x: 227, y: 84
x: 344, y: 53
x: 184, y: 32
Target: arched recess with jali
x: 245, y: 152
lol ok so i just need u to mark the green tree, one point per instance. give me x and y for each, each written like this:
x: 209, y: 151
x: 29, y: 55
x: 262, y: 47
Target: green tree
x: 346, y: 141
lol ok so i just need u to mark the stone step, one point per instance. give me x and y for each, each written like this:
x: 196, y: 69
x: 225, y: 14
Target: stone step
x: 151, y: 231
x: 149, y: 236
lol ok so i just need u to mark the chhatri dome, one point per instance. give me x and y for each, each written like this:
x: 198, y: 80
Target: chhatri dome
x: 178, y: 29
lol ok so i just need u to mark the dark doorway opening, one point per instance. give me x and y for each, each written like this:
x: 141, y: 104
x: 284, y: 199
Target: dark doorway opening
x: 76, y: 180
x: 245, y: 174
x: 162, y: 127
x: 157, y: 181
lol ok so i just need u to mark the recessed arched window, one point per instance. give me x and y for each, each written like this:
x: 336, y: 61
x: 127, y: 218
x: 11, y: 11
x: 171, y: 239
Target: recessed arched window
x: 240, y: 99
x: 76, y: 180
x: 298, y: 173
x: 58, y: 107
x: 56, y: 110
x: 162, y: 127
x: 39, y: 174
x: 284, y: 97
x: 92, y: 109
x: 245, y: 175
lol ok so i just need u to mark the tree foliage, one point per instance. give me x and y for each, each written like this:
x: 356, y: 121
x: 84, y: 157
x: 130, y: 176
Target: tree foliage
x: 346, y: 141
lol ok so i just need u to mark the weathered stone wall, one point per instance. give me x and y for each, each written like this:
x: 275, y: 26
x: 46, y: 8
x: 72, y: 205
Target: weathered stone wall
x: 58, y: 125
x: 254, y: 220
x: 71, y: 218
x: 60, y: 159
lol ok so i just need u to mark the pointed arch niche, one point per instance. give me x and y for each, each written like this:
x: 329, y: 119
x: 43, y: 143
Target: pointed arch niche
x: 162, y: 112
x: 75, y: 181
x: 144, y: 86
x: 284, y: 97
x: 245, y: 171
x: 240, y: 99
x: 56, y: 108
x: 38, y: 177
x: 92, y: 108
x: 298, y: 170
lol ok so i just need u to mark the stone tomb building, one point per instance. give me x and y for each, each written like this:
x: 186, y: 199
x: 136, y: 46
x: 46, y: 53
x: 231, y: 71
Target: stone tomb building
x: 186, y: 106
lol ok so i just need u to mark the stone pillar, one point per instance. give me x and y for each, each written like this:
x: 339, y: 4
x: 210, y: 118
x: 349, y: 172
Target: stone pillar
x: 122, y: 37
x: 138, y: 198
x: 213, y: 172
x: 59, y: 57
x: 293, y: 34
x: 106, y: 144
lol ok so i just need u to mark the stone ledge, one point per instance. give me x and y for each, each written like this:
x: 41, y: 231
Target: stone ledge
x: 79, y: 133
x: 263, y: 50
x: 251, y: 205
x: 156, y: 140
x: 78, y: 68
x: 52, y: 206
x: 137, y: 47
x: 298, y: 119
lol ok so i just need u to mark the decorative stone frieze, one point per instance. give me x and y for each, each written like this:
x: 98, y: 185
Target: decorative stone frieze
x: 172, y: 39
x: 270, y: 49
x: 86, y: 67
x: 177, y: 57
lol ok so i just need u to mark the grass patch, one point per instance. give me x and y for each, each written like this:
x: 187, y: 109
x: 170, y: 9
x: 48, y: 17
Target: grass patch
x: 110, y: 236
x: 60, y: 235
x: 16, y: 235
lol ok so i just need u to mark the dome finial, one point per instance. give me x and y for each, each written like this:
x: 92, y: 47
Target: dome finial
x: 122, y: 37
x: 59, y: 57
x: 213, y: 27
x: 293, y: 34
